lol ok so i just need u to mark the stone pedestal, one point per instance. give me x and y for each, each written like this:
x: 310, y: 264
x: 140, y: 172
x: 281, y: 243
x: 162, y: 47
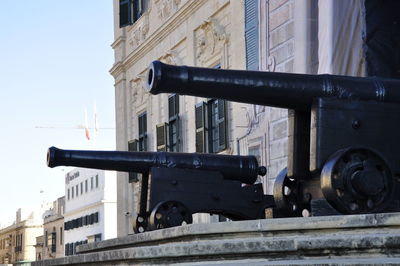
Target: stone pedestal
x: 372, y: 239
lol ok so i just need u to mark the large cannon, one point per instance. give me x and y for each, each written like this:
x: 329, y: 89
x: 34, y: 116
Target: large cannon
x: 343, y: 133
x: 181, y: 184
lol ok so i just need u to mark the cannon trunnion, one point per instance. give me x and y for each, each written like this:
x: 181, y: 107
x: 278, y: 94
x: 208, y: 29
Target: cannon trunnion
x: 343, y: 146
x: 176, y: 185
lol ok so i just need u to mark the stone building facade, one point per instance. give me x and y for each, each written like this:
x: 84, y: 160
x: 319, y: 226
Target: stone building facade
x: 196, y: 33
x: 53, y: 231
x: 205, y: 34
x: 39, y: 247
x: 17, y: 241
x: 302, y: 36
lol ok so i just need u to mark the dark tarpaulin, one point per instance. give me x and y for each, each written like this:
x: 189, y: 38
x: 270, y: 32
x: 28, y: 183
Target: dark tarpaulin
x: 382, y: 38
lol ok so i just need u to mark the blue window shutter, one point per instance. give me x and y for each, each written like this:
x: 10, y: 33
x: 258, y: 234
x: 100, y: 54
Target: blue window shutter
x: 251, y: 34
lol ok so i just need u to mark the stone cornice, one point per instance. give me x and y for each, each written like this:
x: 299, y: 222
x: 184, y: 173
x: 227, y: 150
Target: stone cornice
x: 162, y: 32
x: 52, y: 218
x: 23, y: 224
x: 116, y: 69
x: 118, y: 41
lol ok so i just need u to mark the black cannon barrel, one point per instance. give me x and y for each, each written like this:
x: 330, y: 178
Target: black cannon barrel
x: 285, y: 90
x: 232, y: 167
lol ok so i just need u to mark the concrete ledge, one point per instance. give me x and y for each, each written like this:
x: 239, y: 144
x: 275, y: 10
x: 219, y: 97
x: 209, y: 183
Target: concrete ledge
x: 354, y: 239
x: 246, y: 228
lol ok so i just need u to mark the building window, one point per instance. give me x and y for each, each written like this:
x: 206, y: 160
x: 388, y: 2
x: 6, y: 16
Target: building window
x: 97, y: 238
x: 76, y: 190
x: 139, y: 144
x: 251, y: 22
x: 216, y: 125
x: 97, y: 181
x: 142, y: 141
x: 81, y: 188
x: 53, y: 241
x: 67, y: 194
x: 86, y: 185
x: 91, y: 183
x: 18, y: 244
x: 133, y: 146
x: 173, y: 123
x: 168, y: 134
x: 61, y: 235
x: 81, y: 221
x: 211, y: 127
x: 161, y: 135
x: 130, y: 11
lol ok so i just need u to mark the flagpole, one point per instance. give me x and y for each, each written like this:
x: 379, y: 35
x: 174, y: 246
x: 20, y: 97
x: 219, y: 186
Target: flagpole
x: 96, y: 125
x: 87, y: 133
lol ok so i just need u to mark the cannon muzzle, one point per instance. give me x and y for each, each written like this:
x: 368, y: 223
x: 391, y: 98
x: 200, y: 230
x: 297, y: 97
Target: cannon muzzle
x: 284, y: 90
x: 232, y: 167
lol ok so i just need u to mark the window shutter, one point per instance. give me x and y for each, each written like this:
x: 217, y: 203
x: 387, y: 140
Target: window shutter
x: 142, y: 121
x: 174, y: 123
x: 178, y: 134
x: 251, y: 34
x: 138, y: 9
x: 161, y: 131
x: 132, y: 146
x: 125, y: 13
x: 222, y: 125
x: 200, y: 127
x: 173, y: 105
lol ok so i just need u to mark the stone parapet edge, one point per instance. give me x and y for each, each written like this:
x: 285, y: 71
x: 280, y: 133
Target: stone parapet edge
x: 216, y: 230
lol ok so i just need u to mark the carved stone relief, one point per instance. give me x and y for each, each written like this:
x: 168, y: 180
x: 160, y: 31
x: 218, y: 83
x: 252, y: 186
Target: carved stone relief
x: 210, y: 40
x: 172, y: 57
x: 271, y: 63
x: 139, y: 96
x: 254, y: 114
x: 139, y: 33
x: 165, y: 8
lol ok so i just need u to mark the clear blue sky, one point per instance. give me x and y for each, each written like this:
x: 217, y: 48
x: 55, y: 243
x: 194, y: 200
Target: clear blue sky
x: 54, y: 61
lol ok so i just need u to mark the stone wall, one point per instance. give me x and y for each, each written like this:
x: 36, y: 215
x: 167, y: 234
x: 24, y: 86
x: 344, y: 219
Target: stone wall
x: 268, y: 126
x: 196, y: 33
x: 372, y: 239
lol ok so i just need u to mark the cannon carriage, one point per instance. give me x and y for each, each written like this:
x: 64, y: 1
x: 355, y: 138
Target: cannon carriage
x: 342, y: 141
x: 176, y: 185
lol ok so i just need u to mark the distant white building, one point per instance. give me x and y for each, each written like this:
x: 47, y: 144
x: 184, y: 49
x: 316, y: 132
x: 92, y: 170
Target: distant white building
x: 90, y: 207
